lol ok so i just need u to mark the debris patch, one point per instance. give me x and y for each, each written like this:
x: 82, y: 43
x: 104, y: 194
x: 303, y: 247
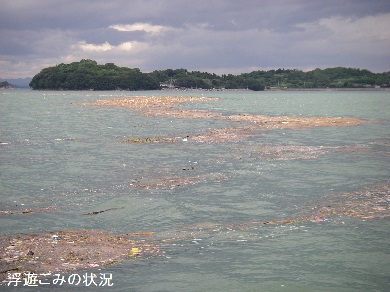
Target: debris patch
x: 372, y: 202
x: 137, y: 140
x: 369, y: 203
x: 141, y: 103
x: 293, y: 152
x: 169, y: 106
x: 224, y: 135
x: 64, y: 251
x: 287, y: 122
x: 28, y: 210
x: 182, y: 113
x: 175, y: 181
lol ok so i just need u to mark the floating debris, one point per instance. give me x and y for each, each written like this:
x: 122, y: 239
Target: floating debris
x: 28, y: 210
x: 134, y: 251
x: 223, y: 135
x: 372, y: 202
x: 98, y: 212
x: 84, y: 249
x: 293, y: 152
x: 291, y: 122
x: 149, y: 140
x: 175, y: 181
x: 140, y: 103
x: 182, y: 113
x: 64, y: 251
x: 167, y: 106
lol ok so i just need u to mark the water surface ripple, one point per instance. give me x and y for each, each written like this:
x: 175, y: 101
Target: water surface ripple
x: 281, y: 210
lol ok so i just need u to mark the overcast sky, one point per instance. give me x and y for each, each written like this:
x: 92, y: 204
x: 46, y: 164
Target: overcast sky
x: 218, y: 36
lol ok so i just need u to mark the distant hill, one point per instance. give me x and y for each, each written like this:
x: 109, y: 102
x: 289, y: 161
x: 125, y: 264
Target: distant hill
x: 18, y: 83
x: 88, y: 75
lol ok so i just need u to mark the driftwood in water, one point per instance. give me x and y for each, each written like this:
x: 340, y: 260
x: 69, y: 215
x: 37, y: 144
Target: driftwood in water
x: 98, y: 212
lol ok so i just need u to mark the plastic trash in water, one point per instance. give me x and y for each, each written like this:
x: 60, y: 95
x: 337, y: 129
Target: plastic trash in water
x: 134, y: 251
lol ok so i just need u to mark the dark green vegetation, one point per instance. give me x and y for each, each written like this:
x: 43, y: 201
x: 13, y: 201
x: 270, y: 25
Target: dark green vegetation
x: 88, y: 75
x: 5, y: 84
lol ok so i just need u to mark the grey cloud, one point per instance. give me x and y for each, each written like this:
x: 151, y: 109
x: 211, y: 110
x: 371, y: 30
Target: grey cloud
x: 220, y: 14
x: 229, y: 34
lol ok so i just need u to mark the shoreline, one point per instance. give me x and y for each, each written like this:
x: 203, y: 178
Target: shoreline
x: 218, y: 89
x: 279, y: 89
x: 329, y: 89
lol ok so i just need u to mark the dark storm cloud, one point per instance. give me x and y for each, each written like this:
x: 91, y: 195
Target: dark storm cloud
x: 221, y: 14
x: 214, y: 35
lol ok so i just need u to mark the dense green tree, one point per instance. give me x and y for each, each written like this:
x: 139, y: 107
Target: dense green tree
x: 254, y: 84
x: 87, y: 74
x: 5, y: 84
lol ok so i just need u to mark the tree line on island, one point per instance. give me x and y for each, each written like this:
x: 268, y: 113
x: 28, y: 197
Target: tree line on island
x: 5, y: 84
x: 88, y: 75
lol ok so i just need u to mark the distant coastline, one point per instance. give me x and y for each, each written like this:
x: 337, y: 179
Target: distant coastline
x: 18, y: 82
x: 223, y: 89
x: 330, y: 89
x: 5, y: 85
x: 89, y: 75
x: 285, y: 89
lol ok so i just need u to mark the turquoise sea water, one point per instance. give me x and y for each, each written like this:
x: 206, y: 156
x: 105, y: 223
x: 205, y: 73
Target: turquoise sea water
x: 58, y: 153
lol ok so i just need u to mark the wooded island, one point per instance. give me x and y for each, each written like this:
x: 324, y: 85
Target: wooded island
x: 5, y: 85
x: 88, y: 75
